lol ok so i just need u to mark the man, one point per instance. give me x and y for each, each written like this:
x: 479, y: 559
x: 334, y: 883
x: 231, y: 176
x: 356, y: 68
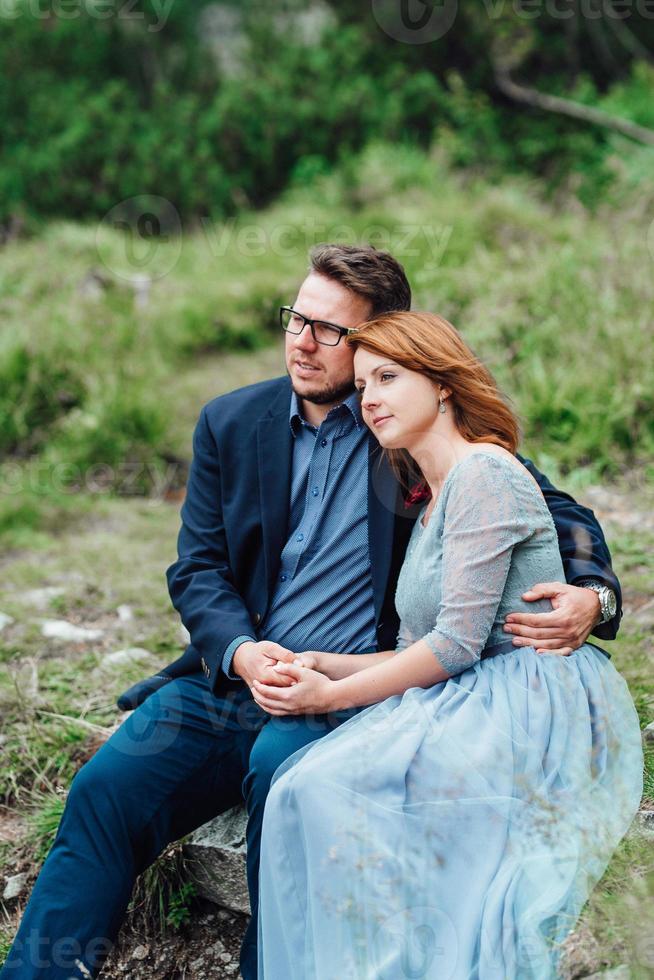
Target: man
x: 293, y: 534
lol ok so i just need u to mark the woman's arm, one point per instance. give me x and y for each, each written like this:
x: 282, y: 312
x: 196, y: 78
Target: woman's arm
x: 339, y: 665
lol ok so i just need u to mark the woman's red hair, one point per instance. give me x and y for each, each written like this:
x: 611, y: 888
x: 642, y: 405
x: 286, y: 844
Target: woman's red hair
x: 427, y: 343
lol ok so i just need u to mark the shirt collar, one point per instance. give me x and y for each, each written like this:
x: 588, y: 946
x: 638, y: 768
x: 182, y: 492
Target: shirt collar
x: 352, y: 403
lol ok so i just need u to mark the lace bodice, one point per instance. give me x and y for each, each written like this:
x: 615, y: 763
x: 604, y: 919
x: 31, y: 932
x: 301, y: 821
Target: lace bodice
x: 489, y: 539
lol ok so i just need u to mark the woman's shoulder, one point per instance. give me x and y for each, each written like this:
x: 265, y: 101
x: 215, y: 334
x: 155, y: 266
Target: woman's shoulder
x: 485, y: 458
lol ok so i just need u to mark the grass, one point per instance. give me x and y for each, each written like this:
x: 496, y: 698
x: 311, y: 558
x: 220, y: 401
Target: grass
x: 556, y: 299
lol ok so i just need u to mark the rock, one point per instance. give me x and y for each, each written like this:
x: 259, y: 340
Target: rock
x: 140, y: 953
x: 648, y: 732
x: 644, y: 821
x: 14, y: 886
x: 60, y: 629
x: 5, y: 621
x: 218, y: 947
x: 125, y: 614
x: 581, y: 954
x: 216, y: 860
x: 41, y: 597
x: 130, y: 655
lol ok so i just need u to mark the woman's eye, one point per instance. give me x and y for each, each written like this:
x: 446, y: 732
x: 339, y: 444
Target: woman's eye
x: 386, y: 374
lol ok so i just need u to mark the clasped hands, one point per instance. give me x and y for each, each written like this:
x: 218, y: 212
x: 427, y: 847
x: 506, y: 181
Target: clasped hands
x: 283, y: 682
x: 287, y: 683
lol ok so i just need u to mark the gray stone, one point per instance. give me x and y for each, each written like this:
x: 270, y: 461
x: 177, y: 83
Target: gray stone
x: 645, y: 821
x: 125, y: 614
x: 648, y: 732
x: 41, y: 597
x: 5, y: 620
x: 216, y: 860
x: 14, y: 886
x: 130, y: 655
x: 140, y: 953
x: 60, y: 629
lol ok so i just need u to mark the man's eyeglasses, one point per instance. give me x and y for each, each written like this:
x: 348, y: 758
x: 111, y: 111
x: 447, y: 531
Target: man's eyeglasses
x: 322, y: 332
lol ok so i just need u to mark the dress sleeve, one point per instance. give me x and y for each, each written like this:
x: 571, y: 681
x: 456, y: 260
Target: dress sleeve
x: 483, y: 521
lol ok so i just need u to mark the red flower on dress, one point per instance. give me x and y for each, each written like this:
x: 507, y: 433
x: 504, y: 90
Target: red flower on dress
x: 417, y: 495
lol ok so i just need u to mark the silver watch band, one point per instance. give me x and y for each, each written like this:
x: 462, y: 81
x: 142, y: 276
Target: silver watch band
x: 606, y: 596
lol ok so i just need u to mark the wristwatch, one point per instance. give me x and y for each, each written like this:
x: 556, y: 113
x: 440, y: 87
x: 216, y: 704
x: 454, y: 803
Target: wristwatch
x: 607, y: 598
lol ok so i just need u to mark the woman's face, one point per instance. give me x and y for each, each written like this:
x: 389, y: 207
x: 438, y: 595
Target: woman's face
x: 400, y: 406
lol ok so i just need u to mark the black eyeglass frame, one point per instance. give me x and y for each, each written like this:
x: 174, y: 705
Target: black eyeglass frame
x: 342, y: 331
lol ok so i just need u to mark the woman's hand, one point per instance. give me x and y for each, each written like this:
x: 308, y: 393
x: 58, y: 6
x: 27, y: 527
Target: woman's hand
x: 311, y: 692
x: 309, y: 658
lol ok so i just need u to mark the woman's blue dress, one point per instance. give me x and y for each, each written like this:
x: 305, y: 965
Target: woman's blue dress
x: 455, y: 832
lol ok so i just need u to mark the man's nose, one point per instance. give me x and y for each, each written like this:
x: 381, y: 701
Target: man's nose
x: 304, y: 340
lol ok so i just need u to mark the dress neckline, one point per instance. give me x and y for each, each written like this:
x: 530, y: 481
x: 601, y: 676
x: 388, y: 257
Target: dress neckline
x: 477, y: 452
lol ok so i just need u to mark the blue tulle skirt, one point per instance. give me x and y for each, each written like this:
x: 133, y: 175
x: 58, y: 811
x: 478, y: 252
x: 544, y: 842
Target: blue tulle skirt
x: 453, y: 832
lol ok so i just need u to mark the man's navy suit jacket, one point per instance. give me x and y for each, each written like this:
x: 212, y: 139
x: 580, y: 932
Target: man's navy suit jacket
x: 235, y: 525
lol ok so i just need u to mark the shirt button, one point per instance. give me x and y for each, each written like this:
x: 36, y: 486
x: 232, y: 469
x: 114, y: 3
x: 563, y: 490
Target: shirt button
x: 315, y: 492
x: 299, y: 537
x: 323, y: 443
x: 282, y: 578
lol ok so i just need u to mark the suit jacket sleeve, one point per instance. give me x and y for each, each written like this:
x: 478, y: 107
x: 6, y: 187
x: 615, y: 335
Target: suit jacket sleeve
x: 583, y: 548
x: 200, y: 582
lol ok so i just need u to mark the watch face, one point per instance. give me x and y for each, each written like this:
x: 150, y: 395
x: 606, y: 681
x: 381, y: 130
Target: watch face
x: 611, y: 603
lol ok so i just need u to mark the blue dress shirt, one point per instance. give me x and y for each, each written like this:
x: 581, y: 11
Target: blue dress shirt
x: 323, y: 599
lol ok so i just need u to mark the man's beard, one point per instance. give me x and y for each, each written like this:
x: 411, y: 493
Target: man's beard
x: 327, y: 395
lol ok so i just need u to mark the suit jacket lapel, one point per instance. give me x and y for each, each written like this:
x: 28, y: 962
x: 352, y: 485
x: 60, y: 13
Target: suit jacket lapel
x: 382, y: 507
x: 274, y: 450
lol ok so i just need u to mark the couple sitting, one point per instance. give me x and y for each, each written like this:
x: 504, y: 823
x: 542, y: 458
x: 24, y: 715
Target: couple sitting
x: 443, y: 779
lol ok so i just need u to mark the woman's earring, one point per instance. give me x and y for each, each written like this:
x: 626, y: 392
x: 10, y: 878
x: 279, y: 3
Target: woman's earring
x: 441, y: 407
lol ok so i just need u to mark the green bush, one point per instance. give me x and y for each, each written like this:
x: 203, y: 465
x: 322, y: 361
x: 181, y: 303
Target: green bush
x: 99, y: 111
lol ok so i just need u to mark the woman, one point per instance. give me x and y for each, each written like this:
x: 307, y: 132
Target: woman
x: 455, y: 827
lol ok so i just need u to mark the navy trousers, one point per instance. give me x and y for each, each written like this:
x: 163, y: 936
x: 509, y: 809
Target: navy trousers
x: 180, y: 759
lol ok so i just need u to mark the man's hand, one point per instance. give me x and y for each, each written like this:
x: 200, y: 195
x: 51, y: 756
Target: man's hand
x: 255, y: 661
x: 564, y: 629
x: 310, y: 692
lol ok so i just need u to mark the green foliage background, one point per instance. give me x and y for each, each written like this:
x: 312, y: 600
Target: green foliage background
x: 229, y: 150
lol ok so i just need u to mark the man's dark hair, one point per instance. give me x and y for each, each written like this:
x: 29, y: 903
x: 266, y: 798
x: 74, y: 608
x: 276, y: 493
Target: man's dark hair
x: 365, y: 270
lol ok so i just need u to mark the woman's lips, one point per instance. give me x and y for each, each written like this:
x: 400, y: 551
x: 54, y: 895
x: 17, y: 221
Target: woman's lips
x: 381, y: 420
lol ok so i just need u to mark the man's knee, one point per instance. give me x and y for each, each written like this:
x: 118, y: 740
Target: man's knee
x: 276, y: 742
